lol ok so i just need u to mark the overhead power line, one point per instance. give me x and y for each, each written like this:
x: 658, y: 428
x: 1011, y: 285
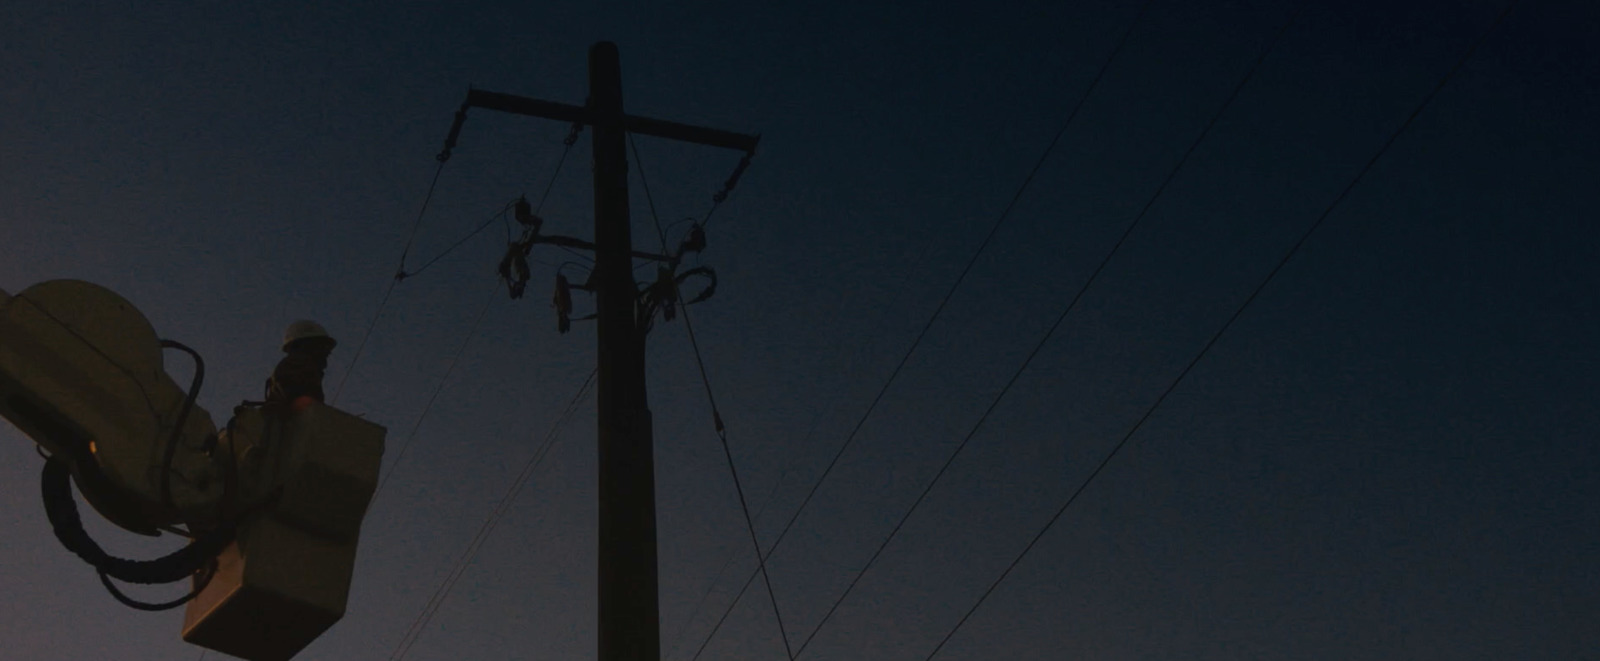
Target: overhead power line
x: 389, y: 289
x: 402, y: 274
x: 744, y: 505
x: 400, y: 270
x: 1293, y: 249
x: 1093, y: 276
x: 497, y: 215
x: 894, y: 374
x: 711, y: 397
x: 436, y: 600
x: 434, y: 396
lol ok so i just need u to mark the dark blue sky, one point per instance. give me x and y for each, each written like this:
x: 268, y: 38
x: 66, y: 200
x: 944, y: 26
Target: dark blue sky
x: 1392, y: 454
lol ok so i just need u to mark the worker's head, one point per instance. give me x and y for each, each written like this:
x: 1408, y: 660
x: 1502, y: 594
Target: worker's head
x: 307, y: 335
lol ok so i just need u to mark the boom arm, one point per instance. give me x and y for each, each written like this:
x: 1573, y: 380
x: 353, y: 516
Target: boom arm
x: 81, y: 374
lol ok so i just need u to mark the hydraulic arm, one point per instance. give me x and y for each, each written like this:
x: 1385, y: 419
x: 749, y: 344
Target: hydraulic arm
x: 272, y: 503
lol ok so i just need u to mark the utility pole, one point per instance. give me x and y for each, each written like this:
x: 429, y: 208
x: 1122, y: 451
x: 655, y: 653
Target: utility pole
x: 629, y: 608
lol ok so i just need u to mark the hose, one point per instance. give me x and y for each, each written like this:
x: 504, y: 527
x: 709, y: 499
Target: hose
x: 56, y: 487
x: 183, y: 416
x: 200, y: 554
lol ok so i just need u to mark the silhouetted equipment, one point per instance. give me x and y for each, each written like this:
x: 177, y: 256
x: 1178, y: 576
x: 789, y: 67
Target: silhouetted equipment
x: 694, y: 242
x: 562, y: 302
x: 273, y: 504
x: 286, y: 578
x: 526, y: 216
x: 514, y: 268
x: 629, y: 627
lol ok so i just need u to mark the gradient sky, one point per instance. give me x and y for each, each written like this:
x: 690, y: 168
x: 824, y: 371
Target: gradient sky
x: 1391, y: 455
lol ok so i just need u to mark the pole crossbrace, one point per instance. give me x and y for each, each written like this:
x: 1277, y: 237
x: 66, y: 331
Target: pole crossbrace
x: 565, y: 112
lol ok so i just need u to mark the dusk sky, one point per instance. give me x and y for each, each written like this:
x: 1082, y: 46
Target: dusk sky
x: 1391, y: 454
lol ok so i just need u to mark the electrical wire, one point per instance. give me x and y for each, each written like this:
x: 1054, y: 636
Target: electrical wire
x: 567, y: 143
x: 938, y: 310
x: 1293, y: 249
x: 443, y: 381
x: 638, y: 163
x: 1093, y: 276
x: 498, y: 215
x: 389, y: 290
x: 577, y: 254
x: 400, y: 271
x: 744, y: 506
x: 716, y: 415
x: 789, y: 465
x: 727, y: 562
x: 436, y: 601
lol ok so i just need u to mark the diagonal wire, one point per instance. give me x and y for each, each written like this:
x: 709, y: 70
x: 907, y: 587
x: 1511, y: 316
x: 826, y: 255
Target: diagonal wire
x: 498, y: 215
x: 711, y: 586
x: 443, y: 381
x: 1293, y: 249
x: 716, y: 415
x: 389, y: 290
x: 938, y: 310
x: 789, y: 466
x: 645, y: 182
x: 571, y: 139
x: 749, y: 522
x: 1115, y: 248
x: 443, y: 591
x: 400, y: 271
x: 766, y: 501
x: 436, y: 601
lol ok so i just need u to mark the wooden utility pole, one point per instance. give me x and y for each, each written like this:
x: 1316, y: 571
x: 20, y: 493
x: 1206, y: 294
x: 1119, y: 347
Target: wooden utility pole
x: 629, y: 611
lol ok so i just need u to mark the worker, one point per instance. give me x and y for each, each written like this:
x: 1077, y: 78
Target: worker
x: 298, y: 378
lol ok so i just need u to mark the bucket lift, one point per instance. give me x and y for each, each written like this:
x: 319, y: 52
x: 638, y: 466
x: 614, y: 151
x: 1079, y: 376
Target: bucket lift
x: 273, y: 503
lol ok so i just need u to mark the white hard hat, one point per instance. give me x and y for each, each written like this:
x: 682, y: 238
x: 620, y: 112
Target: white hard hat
x: 303, y: 329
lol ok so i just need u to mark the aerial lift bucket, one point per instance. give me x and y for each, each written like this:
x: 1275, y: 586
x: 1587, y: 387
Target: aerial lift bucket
x: 286, y: 578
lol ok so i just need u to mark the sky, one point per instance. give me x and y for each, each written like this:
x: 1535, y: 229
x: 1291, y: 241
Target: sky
x: 1390, y: 454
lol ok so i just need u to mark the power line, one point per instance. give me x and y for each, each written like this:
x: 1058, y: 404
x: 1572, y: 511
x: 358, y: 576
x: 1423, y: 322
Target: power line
x: 436, y: 601
x: 767, y: 500
x: 711, y: 397
x: 389, y: 290
x: 400, y: 271
x: 568, y: 142
x: 938, y: 310
x: 638, y: 163
x: 744, y: 506
x: 498, y: 215
x: 443, y: 381
x: 1293, y: 249
x: 789, y: 465
x: 1115, y: 248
